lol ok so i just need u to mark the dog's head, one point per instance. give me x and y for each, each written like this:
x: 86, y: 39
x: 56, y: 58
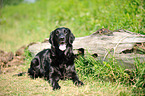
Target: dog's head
x: 61, y: 38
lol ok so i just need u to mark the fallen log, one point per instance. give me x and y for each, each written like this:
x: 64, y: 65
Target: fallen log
x: 123, y: 45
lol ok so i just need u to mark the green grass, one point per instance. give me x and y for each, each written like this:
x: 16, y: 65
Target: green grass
x: 22, y: 23
x: 25, y: 23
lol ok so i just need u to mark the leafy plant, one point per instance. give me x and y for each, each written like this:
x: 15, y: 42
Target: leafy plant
x: 88, y: 67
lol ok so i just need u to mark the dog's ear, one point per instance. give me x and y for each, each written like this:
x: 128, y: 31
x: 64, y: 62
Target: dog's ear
x: 71, y: 37
x: 51, y: 41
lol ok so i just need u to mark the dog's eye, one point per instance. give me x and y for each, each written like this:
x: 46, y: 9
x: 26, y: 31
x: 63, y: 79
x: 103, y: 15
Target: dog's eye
x: 57, y: 32
x: 65, y: 31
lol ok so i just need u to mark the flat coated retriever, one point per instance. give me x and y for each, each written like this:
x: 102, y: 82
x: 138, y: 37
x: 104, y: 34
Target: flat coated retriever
x: 58, y: 62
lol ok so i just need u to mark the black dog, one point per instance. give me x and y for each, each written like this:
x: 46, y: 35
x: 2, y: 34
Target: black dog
x: 58, y: 62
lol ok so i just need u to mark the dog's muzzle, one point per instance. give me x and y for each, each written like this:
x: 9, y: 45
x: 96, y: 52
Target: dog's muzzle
x: 62, y: 44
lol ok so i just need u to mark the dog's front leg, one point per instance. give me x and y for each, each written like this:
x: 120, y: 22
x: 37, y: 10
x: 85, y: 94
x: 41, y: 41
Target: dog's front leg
x: 54, y: 78
x: 76, y: 80
x: 73, y: 76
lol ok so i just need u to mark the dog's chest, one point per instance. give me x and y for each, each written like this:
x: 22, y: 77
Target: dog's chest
x: 63, y: 68
x: 63, y: 71
x: 63, y: 65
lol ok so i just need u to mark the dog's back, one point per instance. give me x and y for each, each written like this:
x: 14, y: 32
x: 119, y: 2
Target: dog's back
x: 39, y: 66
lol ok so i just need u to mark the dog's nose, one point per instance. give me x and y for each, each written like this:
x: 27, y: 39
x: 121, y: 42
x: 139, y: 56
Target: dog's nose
x: 61, y: 38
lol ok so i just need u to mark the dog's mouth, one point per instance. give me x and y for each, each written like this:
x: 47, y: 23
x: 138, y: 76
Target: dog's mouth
x: 62, y: 46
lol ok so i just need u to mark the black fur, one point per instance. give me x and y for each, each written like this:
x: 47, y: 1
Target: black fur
x: 55, y: 64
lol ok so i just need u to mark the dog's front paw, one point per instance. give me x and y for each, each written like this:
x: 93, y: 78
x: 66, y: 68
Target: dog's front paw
x: 79, y: 83
x: 56, y: 87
